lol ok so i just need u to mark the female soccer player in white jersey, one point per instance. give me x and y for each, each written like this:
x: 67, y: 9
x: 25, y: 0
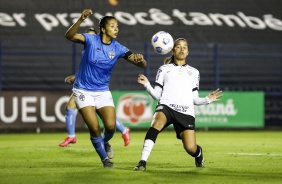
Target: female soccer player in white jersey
x: 176, y: 90
x: 91, y: 87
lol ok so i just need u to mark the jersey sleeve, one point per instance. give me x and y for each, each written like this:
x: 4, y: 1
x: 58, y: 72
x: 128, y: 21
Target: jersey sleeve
x: 90, y: 40
x: 198, y: 100
x: 86, y: 38
x: 122, y: 50
x: 157, y: 90
x: 160, y: 77
x: 196, y: 80
x: 154, y: 92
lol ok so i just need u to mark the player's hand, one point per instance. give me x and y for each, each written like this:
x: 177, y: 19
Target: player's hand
x: 215, y: 95
x: 138, y: 57
x: 139, y: 60
x: 70, y: 79
x: 85, y: 14
x: 142, y: 79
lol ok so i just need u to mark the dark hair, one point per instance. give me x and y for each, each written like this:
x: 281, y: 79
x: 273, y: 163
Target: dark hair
x: 103, y: 21
x: 91, y: 29
x: 170, y: 59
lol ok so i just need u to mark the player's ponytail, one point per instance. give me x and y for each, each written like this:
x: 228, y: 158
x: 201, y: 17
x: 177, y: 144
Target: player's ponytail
x: 169, y: 59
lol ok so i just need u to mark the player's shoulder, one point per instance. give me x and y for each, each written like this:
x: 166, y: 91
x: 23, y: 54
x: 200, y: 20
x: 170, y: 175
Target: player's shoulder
x: 118, y: 45
x: 167, y: 66
x: 164, y: 67
x: 193, y: 69
x: 91, y: 37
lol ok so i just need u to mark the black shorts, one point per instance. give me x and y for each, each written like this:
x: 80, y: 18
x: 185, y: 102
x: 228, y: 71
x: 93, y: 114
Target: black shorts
x: 180, y: 121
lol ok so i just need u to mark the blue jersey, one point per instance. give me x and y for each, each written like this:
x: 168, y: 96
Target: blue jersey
x: 97, y: 63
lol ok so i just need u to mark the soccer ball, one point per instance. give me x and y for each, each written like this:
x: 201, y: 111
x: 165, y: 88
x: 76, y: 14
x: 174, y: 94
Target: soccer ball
x: 162, y: 42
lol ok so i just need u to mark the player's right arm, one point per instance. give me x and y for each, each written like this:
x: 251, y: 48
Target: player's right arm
x: 154, y: 92
x: 72, y: 34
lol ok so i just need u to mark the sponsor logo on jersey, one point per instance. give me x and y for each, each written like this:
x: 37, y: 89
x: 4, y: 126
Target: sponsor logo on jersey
x: 179, y: 108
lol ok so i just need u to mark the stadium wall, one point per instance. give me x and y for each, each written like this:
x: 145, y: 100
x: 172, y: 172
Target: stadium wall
x: 24, y: 111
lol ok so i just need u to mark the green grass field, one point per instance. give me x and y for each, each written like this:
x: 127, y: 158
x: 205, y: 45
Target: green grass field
x: 231, y: 157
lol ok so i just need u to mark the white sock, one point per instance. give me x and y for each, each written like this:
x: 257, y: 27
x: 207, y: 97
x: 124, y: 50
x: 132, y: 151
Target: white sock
x: 147, y: 148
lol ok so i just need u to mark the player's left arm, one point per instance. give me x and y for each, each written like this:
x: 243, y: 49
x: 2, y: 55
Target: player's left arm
x: 136, y: 59
x: 211, y: 97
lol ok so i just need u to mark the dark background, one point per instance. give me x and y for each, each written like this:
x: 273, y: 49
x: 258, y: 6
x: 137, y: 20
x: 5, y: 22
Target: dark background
x: 233, y: 58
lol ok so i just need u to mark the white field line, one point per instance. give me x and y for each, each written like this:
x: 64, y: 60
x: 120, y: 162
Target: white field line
x: 256, y: 154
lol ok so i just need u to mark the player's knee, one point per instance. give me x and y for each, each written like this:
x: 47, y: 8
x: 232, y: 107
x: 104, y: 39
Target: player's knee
x: 152, y: 134
x: 190, y: 149
x: 111, y: 128
x: 95, y: 132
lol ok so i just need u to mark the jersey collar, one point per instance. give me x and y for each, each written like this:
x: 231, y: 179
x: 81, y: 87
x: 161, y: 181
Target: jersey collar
x: 181, y: 65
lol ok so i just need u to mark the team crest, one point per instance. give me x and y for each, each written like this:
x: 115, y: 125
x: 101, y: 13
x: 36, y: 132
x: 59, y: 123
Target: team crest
x: 81, y: 97
x: 189, y: 72
x: 111, y: 54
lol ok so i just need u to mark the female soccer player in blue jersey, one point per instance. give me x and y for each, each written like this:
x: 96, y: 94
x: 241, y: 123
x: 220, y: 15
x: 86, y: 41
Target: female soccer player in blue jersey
x: 71, y: 113
x: 176, y: 90
x: 70, y: 116
x: 91, y: 86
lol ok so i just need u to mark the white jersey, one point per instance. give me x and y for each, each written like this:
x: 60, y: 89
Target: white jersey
x: 178, y: 84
